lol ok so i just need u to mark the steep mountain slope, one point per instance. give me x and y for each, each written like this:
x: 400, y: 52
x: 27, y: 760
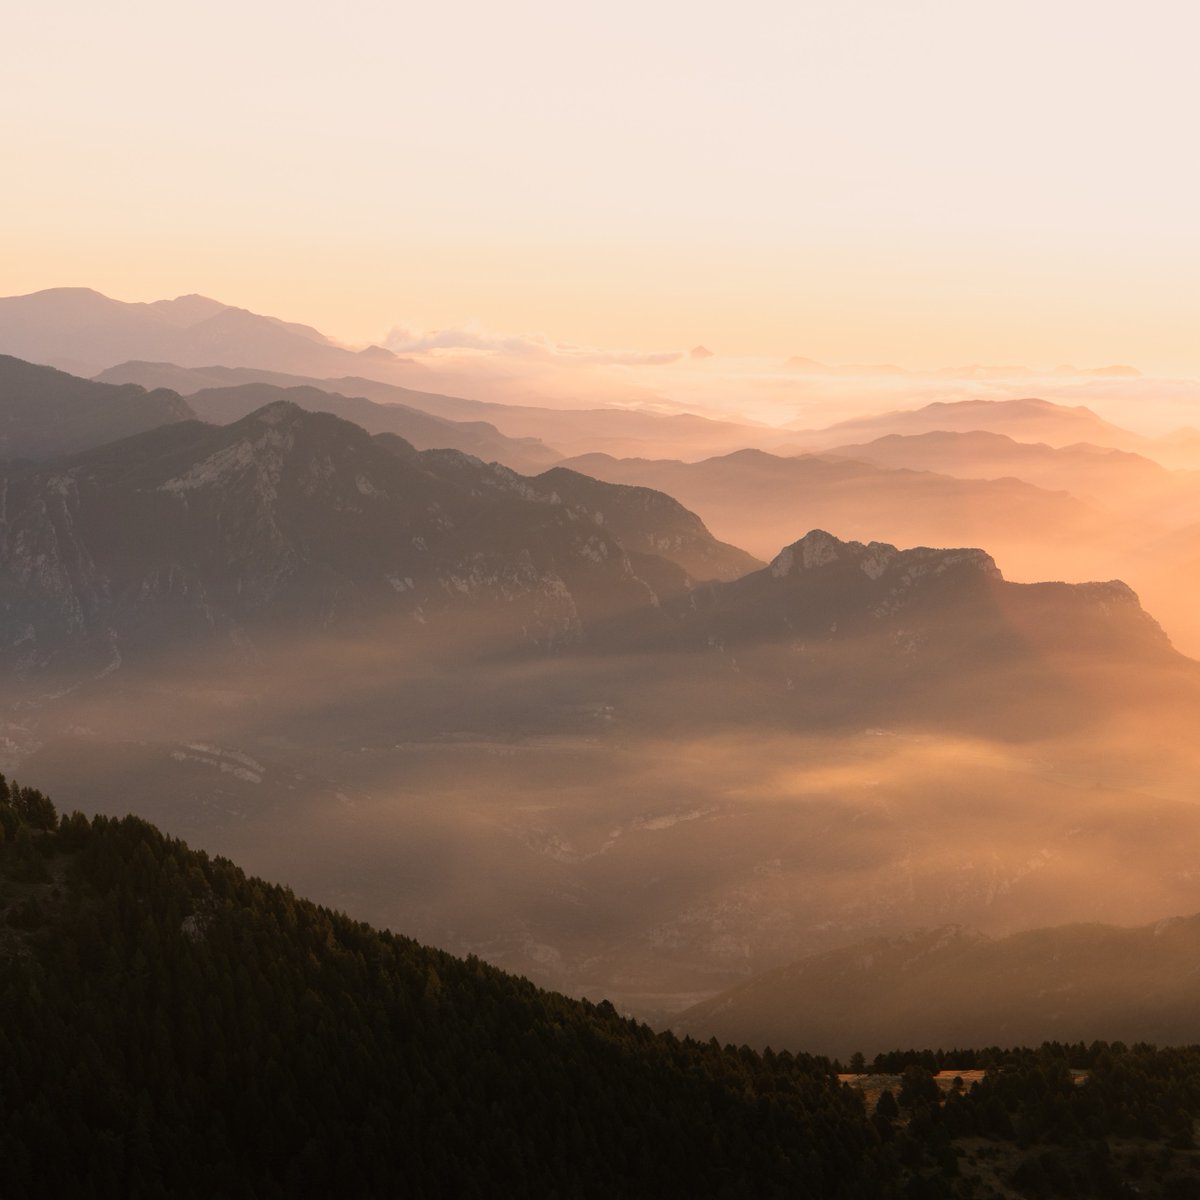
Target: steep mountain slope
x: 647, y: 521
x: 955, y: 987
x: 497, y: 710
x: 44, y: 412
x: 295, y: 519
x: 172, y: 1027
x: 858, y: 740
x: 421, y: 429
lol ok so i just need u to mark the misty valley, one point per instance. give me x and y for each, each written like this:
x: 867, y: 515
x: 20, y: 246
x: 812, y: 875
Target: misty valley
x: 841, y: 741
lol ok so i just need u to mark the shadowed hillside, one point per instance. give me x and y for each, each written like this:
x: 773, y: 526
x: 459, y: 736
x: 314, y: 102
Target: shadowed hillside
x: 44, y: 412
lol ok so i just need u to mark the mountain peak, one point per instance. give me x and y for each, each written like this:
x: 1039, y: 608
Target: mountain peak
x: 815, y: 549
x: 277, y: 412
x: 818, y: 549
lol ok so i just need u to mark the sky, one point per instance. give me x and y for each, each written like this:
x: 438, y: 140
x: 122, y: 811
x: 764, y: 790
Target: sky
x: 921, y: 182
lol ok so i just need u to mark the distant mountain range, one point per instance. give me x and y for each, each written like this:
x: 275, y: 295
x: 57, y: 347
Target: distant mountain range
x: 190, y: 530
x: 566, y: 430
x: 757, y: 500
x: 82, y: 331
x: 423, y: 430
x: 1097, y: 474
x: 1027, y: 420
x: 47, y: 412
x: 157, y: 344
x: 955, y: 987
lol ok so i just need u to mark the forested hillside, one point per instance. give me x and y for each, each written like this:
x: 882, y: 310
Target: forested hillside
x: 169, y: 1026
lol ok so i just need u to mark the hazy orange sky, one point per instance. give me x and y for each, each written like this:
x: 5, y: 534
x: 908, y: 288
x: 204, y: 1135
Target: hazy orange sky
x: 917, y: 181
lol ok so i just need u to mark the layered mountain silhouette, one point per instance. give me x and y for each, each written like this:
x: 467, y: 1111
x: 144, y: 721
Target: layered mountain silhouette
x: 1097, y: 474
x: 507, y: 713
x: 44, y: 412
x: 1026, y: 420
x: 423, y: 430
x: 566, y: 430
x: 49, y: 412
x: 759, y: 500
x: 956, y: 987
x: 82, y: 331
x: 288, y: 516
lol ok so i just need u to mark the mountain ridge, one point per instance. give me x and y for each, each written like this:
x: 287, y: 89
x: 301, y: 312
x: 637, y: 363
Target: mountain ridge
x: 45, y: 412
x: 957, y: 986
x: 291, y: 512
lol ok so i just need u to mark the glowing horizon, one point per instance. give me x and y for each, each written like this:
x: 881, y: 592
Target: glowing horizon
x: 927, y: 184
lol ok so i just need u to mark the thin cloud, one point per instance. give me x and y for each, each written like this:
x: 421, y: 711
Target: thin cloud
x: 405, y: 340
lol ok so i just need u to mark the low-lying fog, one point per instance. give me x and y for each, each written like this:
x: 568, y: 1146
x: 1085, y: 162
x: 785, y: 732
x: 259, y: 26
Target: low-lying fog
x: 554, y: 817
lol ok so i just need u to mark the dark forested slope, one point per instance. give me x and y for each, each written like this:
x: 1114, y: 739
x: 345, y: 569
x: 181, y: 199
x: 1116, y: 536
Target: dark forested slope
x: 169, y: 1026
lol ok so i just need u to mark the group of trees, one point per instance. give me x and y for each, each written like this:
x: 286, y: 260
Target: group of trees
x: 169, y: 1026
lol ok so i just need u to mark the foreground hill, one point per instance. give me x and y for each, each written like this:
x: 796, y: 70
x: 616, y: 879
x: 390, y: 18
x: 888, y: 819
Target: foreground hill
x: 952, y: 986
x: 44, y: 412
x: 172, y: 1027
